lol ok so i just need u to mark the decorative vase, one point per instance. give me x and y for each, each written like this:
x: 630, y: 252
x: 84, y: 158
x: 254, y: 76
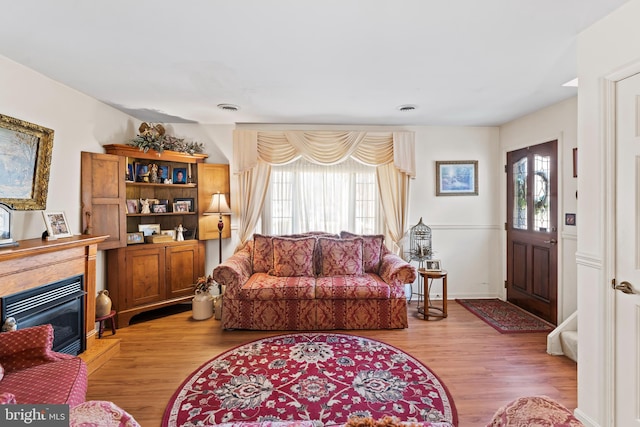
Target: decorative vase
x: 202, y: 305
x: 103, y: 303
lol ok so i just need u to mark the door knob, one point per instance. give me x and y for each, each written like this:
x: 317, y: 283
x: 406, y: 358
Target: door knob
x: 552, y: 241
x: 625, y: 287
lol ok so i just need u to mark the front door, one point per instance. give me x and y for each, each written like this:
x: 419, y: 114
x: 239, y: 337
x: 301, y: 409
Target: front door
x: 532, y: 212
x: 627, y: 253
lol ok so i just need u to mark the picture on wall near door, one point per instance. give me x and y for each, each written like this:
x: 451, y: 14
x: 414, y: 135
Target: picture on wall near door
x: 457, y: 178
x: 570, y: 219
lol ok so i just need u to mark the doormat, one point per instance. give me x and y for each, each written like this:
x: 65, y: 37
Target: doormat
x: 324, y: 378
x: 505, y: 317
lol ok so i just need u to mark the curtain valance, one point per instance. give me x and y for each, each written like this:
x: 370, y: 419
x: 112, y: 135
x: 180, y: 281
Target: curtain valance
x: 324, y: 147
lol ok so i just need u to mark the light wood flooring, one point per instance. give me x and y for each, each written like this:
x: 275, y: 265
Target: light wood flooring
x: 482, y: 368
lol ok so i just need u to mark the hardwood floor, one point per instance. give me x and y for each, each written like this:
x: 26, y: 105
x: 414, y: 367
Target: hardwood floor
x: 482, y: 368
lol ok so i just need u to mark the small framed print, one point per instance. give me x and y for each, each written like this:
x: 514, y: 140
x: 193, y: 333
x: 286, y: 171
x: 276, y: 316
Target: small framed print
x: 157, y: 208
x: 57, y: 224
x: 132, y: 206
x: 179, y: 175
x: 171, y: 233
x: 433, y: 265
x: 164, y: 173
x: 457, y: 178
x: 135, y: 238
x: 570, y: 219
x: 149, y: 229
x: 189, y: 201
x: 180, y: 207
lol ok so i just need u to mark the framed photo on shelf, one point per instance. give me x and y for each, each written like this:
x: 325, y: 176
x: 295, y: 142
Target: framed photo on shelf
x: 57, y: 224
x: 133, y: 206
x: 180, y: 207
x: 158, y: 208
x: 135, y: 238
x: 189, y: 201
x: 179, y: 175
x: 457, y: 178
x: 142, y: 172
x: 129, y: 172
x: 164, y: 173
x: 171, y: 233
x: 433, y: 265
x: 149, y: 229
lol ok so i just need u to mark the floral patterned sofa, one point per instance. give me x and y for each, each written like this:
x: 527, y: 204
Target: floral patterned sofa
x: 314, y: 281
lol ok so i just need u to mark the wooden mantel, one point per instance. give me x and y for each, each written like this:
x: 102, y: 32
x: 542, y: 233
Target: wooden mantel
x: 37, y: 262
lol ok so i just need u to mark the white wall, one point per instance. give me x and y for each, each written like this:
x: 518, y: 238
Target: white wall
x: 559, y: 122
x: 603, y: 48
x: 80, y: 123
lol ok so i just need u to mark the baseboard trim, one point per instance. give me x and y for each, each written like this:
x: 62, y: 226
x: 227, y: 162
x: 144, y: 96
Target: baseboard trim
x: 585, y: 419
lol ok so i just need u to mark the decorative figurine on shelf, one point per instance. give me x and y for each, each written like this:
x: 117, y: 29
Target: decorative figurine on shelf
x: 144, y: 203
x: 179, y: 236
x: 153, y: 173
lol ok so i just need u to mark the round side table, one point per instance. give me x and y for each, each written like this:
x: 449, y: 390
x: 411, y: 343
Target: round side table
x: 427, y: 309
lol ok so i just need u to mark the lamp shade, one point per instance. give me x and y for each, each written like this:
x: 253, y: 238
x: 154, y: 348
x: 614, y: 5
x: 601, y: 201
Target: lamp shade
x: 218, y: 205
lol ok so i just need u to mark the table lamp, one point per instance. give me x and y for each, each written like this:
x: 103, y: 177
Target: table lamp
x: 219, y: 206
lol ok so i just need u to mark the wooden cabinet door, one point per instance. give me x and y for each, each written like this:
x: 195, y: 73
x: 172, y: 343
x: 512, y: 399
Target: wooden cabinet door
x: 103, y: 196
x: 182, y: 269
x: 212, y: 178
x: 146, y: 273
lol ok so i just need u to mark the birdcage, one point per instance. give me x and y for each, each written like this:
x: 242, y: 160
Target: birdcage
x: 420, y: 242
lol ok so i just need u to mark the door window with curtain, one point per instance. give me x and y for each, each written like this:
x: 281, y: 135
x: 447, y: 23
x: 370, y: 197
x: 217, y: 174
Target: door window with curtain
x: 304, y: 196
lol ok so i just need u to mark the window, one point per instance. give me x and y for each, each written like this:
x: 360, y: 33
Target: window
x: 304, y: 197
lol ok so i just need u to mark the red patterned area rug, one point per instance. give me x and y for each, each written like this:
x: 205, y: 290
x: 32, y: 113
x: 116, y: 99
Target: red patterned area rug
x: 325, y: 378
x: 505, y: 317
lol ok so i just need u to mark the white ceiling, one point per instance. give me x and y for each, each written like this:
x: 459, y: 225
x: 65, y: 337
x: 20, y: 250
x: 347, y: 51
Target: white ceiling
x: 461, y: 62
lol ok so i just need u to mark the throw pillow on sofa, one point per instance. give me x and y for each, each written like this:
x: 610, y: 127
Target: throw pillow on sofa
x: 372, y: 250
x: 341, y: 257
x: 262, y: 253
x: 293, y: 257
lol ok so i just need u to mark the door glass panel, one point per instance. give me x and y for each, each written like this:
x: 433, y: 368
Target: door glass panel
x: 520, y: 194
x: 541, y: 206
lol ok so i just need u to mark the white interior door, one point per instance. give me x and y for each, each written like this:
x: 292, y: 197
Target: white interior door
x: 627, y: 261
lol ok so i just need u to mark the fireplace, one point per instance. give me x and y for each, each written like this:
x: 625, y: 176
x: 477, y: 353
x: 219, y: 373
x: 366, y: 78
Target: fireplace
x: 60, y: 304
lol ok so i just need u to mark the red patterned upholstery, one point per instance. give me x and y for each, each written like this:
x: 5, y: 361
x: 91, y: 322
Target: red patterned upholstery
x: 369, y: 286
x: 100, y: 413
x: 372, y: 244
x: 254, y: 299
x: 36, y: 374
x: 293, y: 257
x: 340, y: 257
x: 262, y: 286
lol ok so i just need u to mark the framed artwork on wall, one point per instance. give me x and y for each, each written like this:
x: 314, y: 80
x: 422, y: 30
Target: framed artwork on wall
x: 25, y: 156
x: 457, y: 178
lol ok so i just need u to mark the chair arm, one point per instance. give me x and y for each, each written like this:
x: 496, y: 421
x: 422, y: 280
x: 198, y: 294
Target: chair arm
x: 235, y: 271
x: 28, y: 347
x: 395, y: 271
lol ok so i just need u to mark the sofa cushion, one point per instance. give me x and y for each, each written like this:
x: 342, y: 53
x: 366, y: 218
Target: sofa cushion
x: 262, y: 253
x: 64, y: 381
x: 27, y: 347
x: 293, y: 257
x: 372, y: 254
x: 264, y: 287
x: 340, y: 257
x: 368, y: 286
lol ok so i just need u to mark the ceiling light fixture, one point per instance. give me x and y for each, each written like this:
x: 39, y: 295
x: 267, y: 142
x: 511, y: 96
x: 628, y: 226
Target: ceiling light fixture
x: 228, y: 107
x: 407, y: 107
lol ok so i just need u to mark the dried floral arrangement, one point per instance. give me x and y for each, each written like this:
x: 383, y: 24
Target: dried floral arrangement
x: 153, y: 137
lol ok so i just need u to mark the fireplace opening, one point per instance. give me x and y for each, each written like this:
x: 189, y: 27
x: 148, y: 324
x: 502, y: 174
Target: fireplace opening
x: 60, y: 304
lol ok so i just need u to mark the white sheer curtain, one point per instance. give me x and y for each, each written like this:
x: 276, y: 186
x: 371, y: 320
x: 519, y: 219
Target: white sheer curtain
x: 305, y: 196
x: 254, y: 151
